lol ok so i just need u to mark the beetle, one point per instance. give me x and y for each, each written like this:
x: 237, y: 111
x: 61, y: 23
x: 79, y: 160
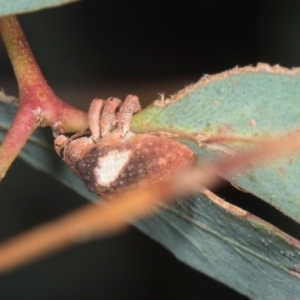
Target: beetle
x: 109, y: 157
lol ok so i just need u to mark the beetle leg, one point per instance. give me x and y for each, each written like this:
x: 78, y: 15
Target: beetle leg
x: 108, y: 116
x: 94, y: 116
x: 130, y: 106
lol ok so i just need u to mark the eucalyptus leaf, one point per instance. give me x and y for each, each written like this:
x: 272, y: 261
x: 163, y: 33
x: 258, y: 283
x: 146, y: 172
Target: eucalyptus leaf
x: 23, y: 6
x: 245, y: 102
x: 230, y: 245
x: 212, y: 236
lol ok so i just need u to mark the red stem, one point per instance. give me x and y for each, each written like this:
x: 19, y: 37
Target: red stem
x: 39, y: 106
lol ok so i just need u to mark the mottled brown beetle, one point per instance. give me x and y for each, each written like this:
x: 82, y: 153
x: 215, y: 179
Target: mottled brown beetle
x: 112, y: 157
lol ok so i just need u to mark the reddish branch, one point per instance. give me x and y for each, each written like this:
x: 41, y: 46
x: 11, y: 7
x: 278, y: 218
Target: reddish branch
x: 39, y: 106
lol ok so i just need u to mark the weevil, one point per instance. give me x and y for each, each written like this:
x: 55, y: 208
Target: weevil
x: 109, y: 157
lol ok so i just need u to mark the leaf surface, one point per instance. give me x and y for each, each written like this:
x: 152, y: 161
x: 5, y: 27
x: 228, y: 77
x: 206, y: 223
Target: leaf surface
x: 214, y: 237
x: 23, y: 6
x: 248, y: 103
x: 230, y: 245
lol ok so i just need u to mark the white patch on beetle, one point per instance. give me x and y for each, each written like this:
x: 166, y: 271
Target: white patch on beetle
x: 110, y: 166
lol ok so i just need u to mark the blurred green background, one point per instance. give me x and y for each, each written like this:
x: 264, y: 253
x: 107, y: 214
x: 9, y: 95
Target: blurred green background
x: 112, y: 48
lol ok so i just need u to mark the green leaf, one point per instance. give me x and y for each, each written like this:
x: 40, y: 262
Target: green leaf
x: 230, y: 245
x: 210, y: 235
x: 214, y: 237
x: 24, y: 6
x: 247, y: 102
